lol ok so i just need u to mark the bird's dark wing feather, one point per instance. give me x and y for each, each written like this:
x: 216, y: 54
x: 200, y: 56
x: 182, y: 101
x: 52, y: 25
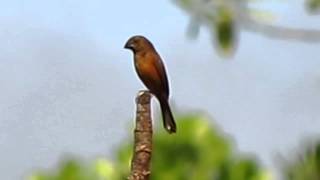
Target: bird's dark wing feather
x: 163, y: 75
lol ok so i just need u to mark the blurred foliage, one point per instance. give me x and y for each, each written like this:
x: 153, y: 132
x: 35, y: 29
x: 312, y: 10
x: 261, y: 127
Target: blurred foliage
x: 198, y: 151
x: 225, y: 31
x: 73, y: 169
x: 224, y: 18
x: 306, y: 167
x: 313, y: 5
x: 219, y: 16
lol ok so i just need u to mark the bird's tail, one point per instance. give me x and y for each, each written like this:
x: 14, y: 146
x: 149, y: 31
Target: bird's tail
x: 168, y: 120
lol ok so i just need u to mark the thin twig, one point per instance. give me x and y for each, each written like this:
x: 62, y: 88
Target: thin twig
x: 281, y: 32
x: 140, y: 163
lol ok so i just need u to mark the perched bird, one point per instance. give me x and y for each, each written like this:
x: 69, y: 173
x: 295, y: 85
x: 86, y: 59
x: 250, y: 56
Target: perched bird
x: 151, y: 71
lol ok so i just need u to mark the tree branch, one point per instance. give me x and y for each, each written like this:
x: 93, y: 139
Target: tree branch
x: 140, y: 163
x: 285, y: 33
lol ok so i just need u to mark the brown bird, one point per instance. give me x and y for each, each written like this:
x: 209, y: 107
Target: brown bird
x: 151, y: 71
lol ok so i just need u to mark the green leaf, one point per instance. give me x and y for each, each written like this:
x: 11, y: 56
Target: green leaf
x: 225, y: 30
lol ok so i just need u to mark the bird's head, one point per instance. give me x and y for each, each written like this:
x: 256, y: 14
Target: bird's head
x: 138, y: 43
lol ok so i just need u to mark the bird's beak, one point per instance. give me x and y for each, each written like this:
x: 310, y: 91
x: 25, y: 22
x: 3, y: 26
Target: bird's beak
x: 129, y: 45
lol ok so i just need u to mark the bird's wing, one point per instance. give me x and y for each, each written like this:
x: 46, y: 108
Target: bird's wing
x: 161, y: 71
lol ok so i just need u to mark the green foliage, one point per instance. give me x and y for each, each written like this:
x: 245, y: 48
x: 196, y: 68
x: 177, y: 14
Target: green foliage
x: 219, y: 16
x: 73, y: 169
x: 226, y: 18
x: 307, y: 167
x: 225, y: 30
x: 199, y: 151
x: 313, y: 5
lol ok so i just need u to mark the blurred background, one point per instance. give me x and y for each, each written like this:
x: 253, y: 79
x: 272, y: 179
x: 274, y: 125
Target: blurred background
x: 68, y: 86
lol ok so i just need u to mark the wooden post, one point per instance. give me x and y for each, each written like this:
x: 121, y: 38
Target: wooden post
x: 142, y: 150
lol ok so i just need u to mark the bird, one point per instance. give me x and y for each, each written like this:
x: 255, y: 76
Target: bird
x: 151, y: 70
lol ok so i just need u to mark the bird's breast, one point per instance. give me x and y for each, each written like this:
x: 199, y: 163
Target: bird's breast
x: 148, y: 72
x: 145, y: 68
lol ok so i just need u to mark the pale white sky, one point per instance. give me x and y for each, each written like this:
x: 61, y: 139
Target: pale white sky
x: 68, y: 85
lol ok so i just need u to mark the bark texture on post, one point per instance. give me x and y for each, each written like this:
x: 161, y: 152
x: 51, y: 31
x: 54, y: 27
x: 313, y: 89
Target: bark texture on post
x: 140, y: 163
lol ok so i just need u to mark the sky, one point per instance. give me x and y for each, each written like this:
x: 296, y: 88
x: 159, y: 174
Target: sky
x: 68, y: 85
